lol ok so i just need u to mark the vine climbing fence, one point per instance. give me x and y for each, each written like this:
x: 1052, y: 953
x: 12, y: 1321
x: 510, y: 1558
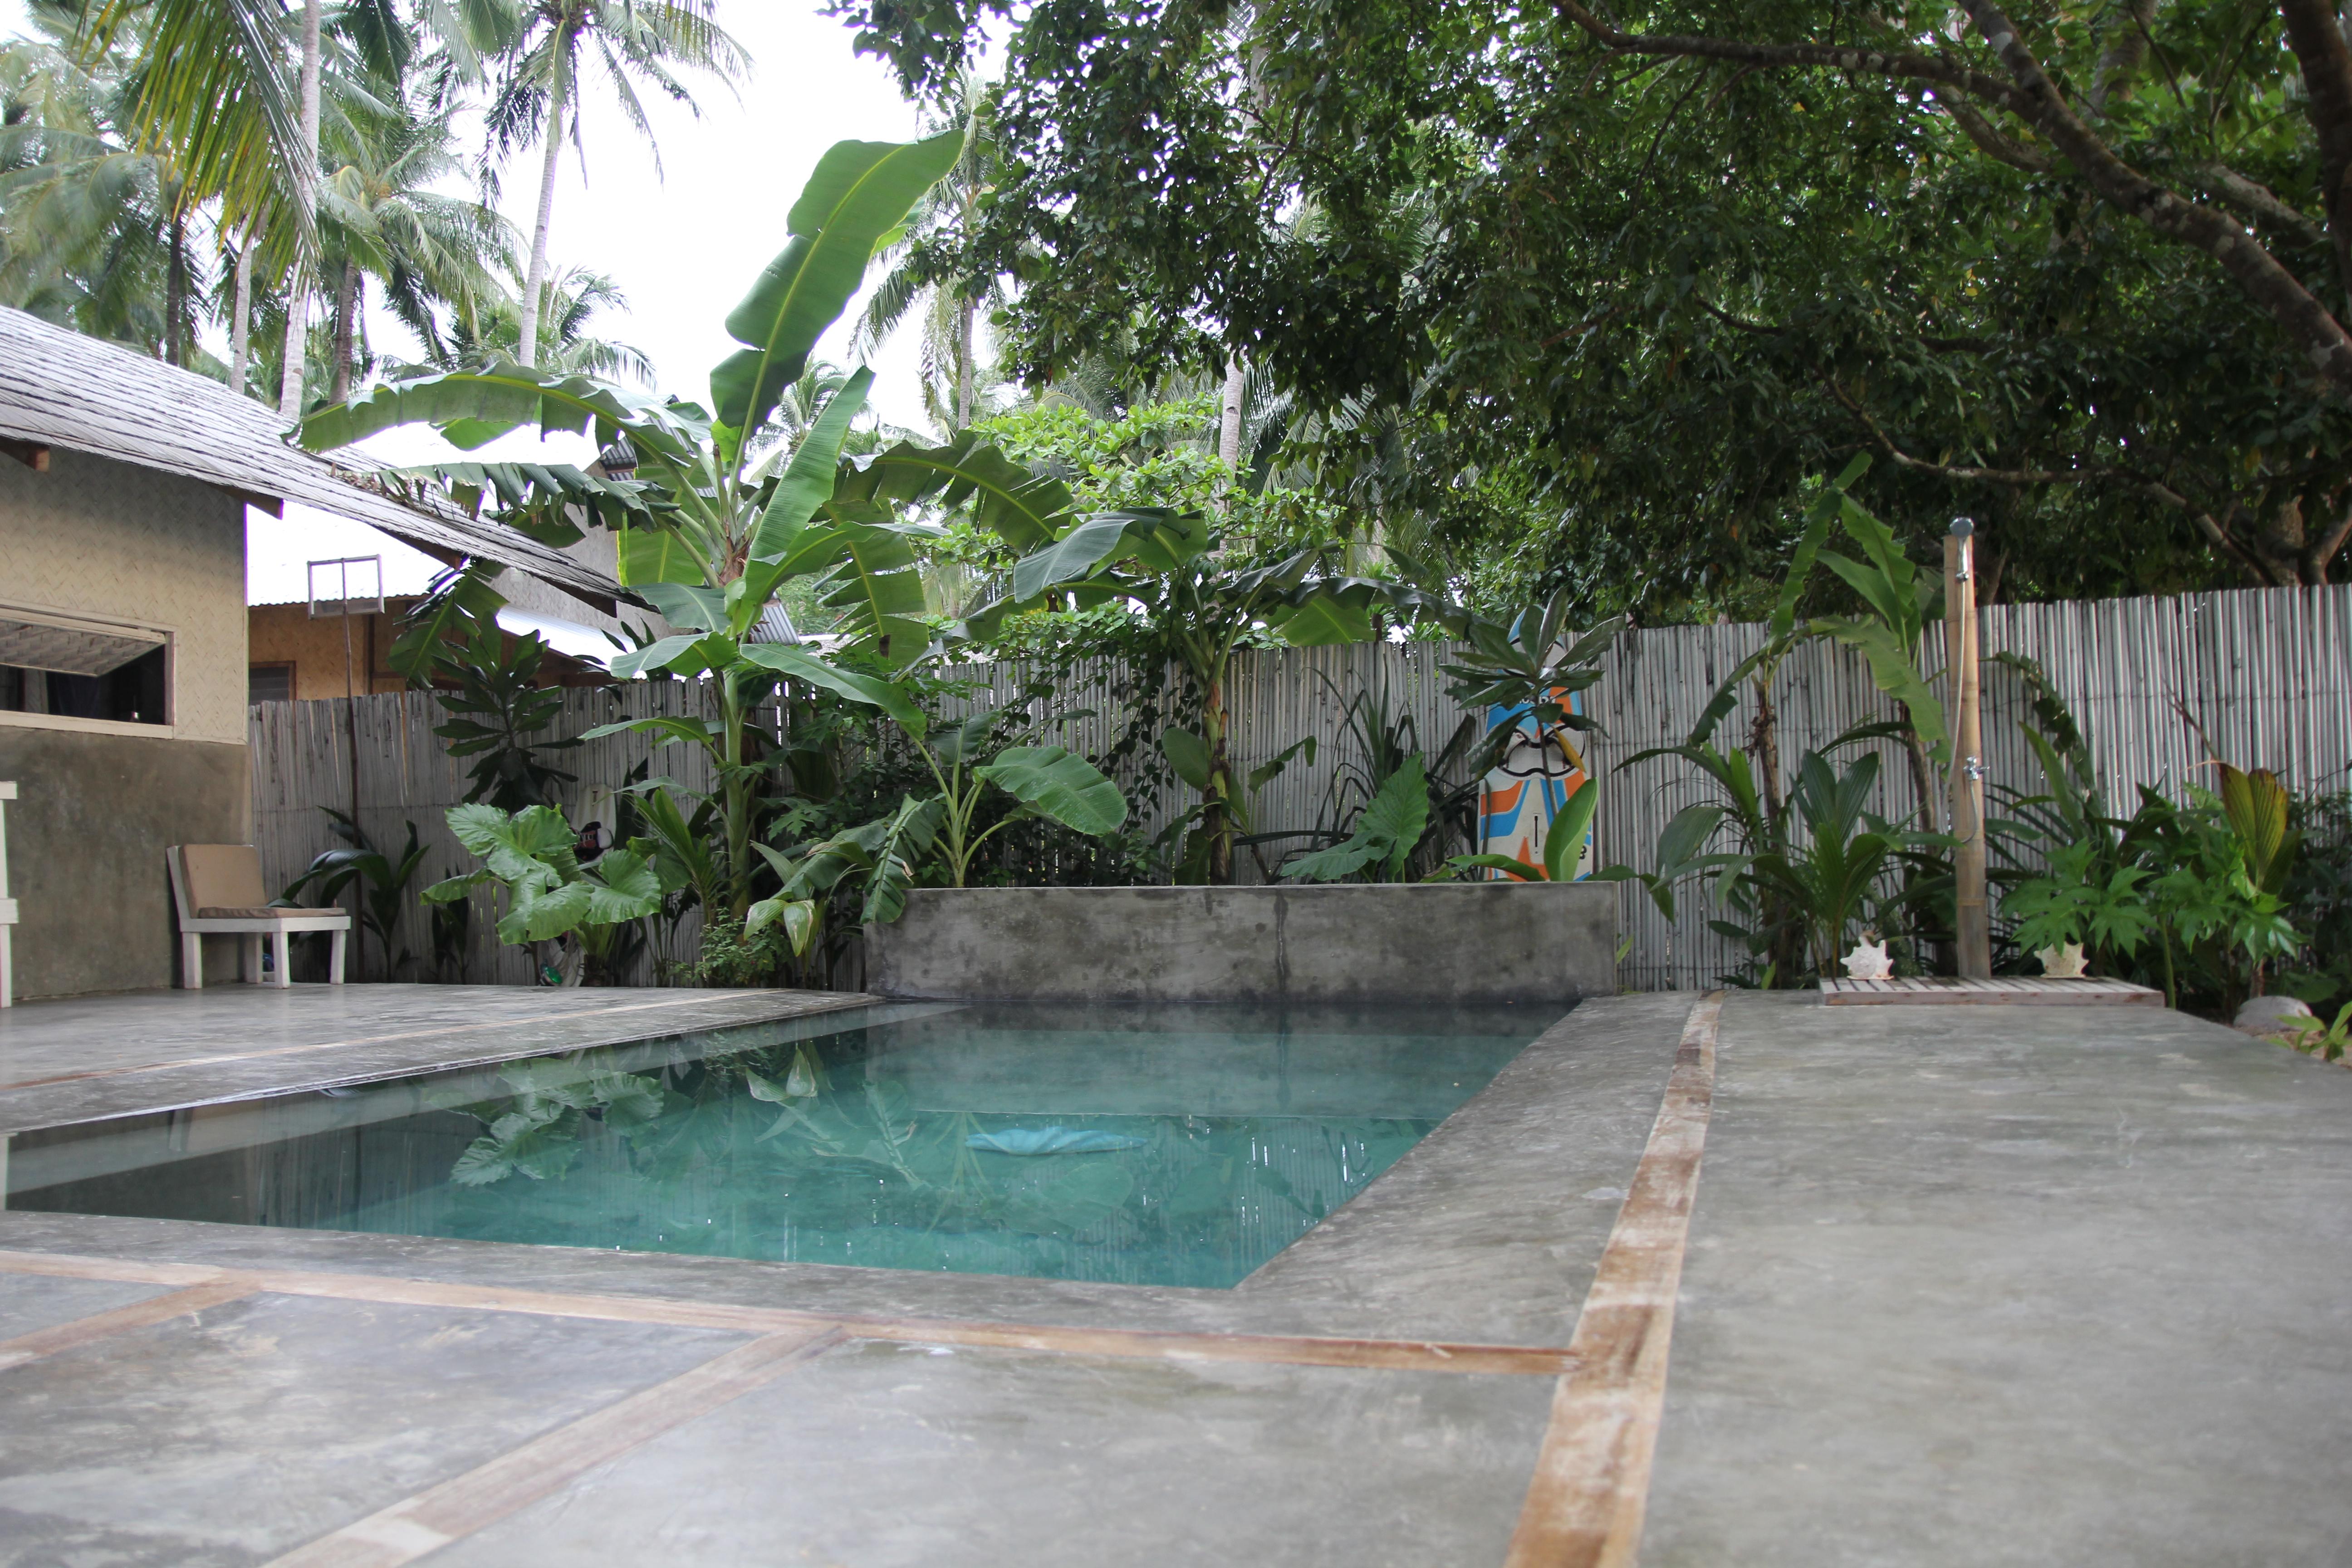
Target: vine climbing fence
x: 2266, y: 675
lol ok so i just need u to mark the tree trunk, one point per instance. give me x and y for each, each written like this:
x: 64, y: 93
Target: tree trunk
x: 1229, y: 427
x: 347, y: 298
x: 535, y: 281
x: 240, y: 328
x: 306, y: 179
x: 1215, y: 820
x: 175, y: 295
x: 964, y: 373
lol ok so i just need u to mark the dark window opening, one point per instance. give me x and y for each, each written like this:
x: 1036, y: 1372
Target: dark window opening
x: 269, y: 683
x: 129, y: 694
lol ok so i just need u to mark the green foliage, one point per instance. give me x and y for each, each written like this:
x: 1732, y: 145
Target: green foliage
x: 548, y: 894
x: 384, y: 880
x: 1385, y: 836
x: 1609, y: 364
x: 2110, y: 917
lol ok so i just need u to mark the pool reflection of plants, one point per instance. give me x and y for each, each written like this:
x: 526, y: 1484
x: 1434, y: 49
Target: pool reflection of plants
x: 838, y: 1157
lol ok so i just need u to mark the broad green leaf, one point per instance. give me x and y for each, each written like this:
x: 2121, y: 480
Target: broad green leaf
x: 687, y: 607
x: 1819, y: 518
x: 506, y: 395
x: 1564, y: 840
x: 1075, y: 554
x: 623, y: 888
x: 1324, y: 620
x: 808, y: 483
x: 650, y: 555
x: 670, y: 652
x: 1057, y: 783
x: 860, y: 191
x: 1188, y: 754
x: 802, y: 665
x: 967, y: 473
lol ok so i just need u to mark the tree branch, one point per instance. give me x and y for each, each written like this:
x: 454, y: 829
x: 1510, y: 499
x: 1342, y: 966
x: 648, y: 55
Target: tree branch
x: 1950, y: 471
x: 2306, y: 321
x: 1989, y: 139
x: 2320, y: 339
x: 2259, y: 202
x: 2313, y: 32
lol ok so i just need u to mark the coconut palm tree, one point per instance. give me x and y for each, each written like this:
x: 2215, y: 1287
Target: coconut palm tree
x: 493, y: 329
x: 547, y: 44
x: 381, y: 219
x: 922, y: 282
x: 95, y: 228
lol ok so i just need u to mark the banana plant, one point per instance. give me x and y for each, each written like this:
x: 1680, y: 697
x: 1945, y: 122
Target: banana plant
x: 1204, y: 604
x: 707, y: 536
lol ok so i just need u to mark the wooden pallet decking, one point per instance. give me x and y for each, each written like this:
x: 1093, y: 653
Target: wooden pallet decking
x: 1940, y: 990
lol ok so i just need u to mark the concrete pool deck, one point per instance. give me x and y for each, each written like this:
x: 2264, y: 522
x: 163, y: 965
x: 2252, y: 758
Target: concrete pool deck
x: 2009, y: 1285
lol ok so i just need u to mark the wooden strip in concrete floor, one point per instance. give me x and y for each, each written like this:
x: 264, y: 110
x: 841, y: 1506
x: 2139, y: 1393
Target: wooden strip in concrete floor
x: 431, y: 1519
x: 1295, y: 1349
x: 855, y: 1001
x: 1591, y: 1483
x: 121, y: 1320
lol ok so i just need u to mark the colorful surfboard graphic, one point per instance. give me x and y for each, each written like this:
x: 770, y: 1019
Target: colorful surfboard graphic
x: 1529, y: 786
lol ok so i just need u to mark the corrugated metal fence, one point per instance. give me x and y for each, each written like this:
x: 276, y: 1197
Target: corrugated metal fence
x: 2267, y: 674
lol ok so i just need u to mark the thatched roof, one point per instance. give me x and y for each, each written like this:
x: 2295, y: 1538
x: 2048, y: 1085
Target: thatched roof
x: 58, y: 388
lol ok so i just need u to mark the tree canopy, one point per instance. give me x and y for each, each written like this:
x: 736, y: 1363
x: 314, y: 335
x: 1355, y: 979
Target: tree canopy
x: 1622, y: 292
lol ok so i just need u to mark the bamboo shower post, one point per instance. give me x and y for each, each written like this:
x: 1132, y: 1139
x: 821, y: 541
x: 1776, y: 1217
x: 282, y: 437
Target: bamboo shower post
x: 1974, y: 920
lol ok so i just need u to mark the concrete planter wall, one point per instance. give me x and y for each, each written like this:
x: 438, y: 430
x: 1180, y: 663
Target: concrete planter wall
x: 1465, y: 942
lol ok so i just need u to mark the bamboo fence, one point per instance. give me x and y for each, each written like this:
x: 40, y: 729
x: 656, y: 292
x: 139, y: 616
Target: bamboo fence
x: 2267, y: 674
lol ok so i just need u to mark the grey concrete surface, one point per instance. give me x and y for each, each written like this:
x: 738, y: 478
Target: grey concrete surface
x: 76, y: 1059
x: 34, y: 1302
x: 85, y: 839
x: 228, y: 1437
x: 888, y: 1455
x: 2012, y: 1286
x: 1499, y: 942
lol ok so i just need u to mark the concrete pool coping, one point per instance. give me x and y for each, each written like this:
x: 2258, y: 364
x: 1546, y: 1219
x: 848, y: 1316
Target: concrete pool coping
x: 1485, y: 1232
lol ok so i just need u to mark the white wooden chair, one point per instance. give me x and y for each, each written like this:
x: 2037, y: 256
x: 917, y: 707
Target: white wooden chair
x: 218, y: 889
x: 7, y: 906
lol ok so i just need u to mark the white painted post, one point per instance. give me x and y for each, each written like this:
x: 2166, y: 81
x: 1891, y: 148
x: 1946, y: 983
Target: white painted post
x: 7, y: 921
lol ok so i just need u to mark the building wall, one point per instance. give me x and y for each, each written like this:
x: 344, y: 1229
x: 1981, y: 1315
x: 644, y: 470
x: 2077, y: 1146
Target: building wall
x: 99, y: 802
x: 286, y: 633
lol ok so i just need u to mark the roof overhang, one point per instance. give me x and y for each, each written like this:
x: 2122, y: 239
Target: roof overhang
x: 58, y: 388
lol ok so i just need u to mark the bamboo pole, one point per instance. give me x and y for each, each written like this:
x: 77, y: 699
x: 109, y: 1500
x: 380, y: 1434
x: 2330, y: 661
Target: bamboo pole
x: 1974, y: 918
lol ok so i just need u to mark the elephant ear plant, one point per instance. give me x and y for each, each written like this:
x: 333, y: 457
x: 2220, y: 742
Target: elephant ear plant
x: 549, y: 896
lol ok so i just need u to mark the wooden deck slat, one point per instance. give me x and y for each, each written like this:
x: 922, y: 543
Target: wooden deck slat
x: 2004, y: 990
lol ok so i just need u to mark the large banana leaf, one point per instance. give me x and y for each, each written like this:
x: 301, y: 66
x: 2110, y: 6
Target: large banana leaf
x: 650, y: 555
x: 1001, y: 495
x: 877, y: 584
x: 860, y: 192
x: 502, y: 396
x: 1054, y: 782
x: 808, y: 483
x: 802, y: 665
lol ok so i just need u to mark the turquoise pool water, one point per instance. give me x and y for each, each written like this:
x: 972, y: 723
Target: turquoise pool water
x: 1146, y: 1144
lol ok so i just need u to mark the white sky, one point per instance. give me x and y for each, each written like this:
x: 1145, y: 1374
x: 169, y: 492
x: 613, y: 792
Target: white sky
x: 683, y: 247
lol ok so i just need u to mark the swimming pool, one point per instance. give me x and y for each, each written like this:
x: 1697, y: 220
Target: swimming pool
x: 1143, y: 1143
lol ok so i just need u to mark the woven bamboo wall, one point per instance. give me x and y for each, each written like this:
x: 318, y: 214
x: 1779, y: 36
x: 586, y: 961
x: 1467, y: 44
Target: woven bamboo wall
x: 2267, y: 673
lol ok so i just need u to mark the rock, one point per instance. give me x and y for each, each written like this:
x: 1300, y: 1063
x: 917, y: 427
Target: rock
x: 2272, y: 1017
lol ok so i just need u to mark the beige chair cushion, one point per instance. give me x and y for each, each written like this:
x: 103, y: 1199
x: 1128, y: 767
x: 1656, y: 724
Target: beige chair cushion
x: 258, y: 912
x: 223, y: 879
